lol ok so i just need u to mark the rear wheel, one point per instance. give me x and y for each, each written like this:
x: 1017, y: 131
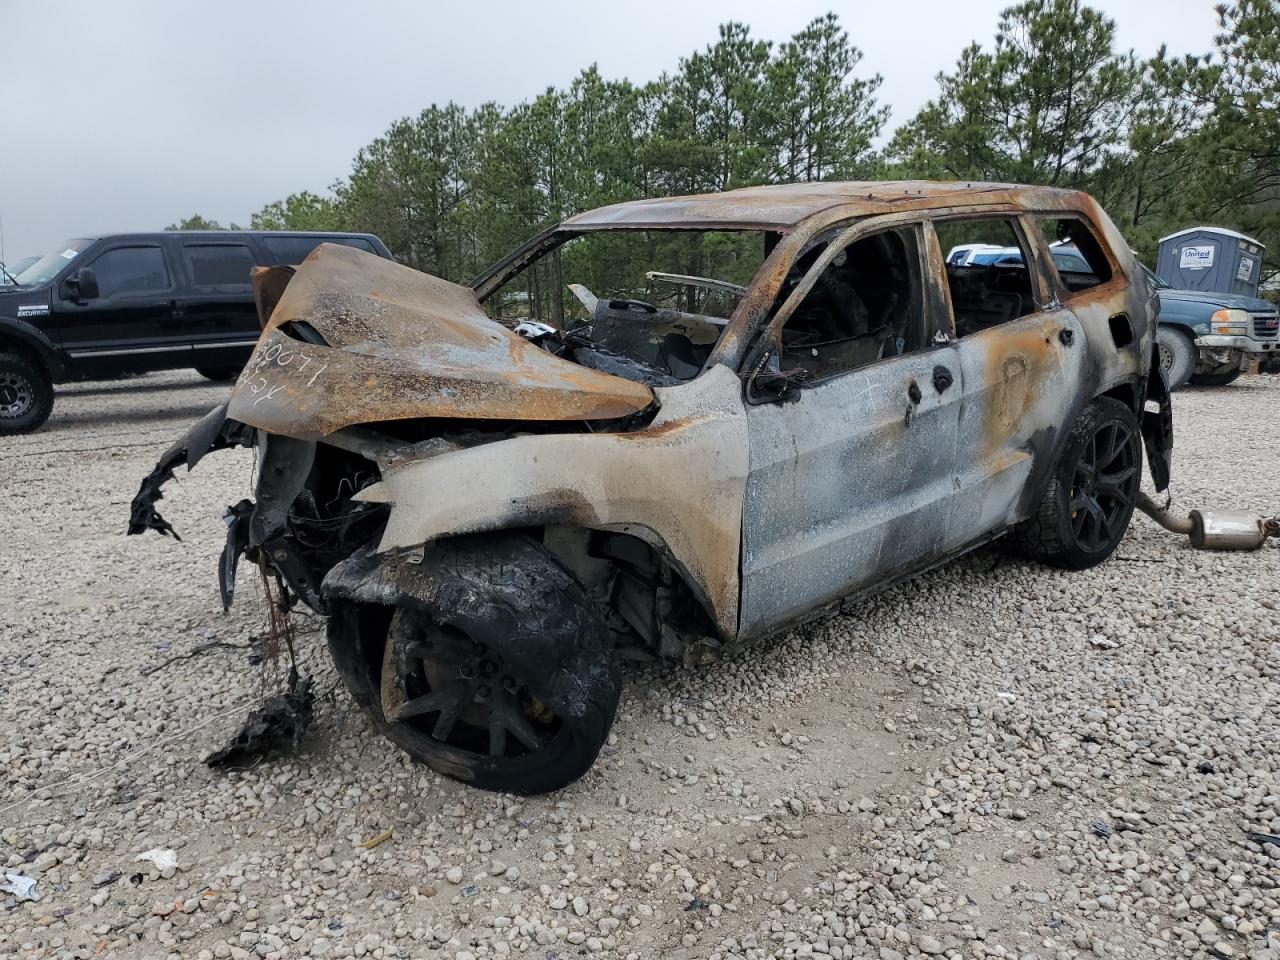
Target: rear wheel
x: 26, y: 395
x: 1214, y: 379
x: 1177, y: 354
x: 219, y: 374
x: 1085, y: 509
x: 500, y: 673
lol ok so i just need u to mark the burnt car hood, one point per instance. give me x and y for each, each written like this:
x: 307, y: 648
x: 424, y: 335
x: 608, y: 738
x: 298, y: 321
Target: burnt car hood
x: 354, y: 338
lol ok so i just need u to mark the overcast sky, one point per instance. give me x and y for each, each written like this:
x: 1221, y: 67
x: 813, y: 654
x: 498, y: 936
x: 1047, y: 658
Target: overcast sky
x: 131, y: 114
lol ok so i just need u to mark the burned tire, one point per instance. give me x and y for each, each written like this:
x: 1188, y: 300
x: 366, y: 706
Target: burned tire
x: 26, y: 395
x: 219, y: 374
x: 1085, y: 509
x: 1214, y: 379
x: 1177, y: 353
x: 493, y: 667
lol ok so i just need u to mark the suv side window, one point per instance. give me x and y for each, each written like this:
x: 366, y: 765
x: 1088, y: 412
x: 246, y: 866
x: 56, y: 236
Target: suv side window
x: 1076, y: 252
x: 219, y: 267
x: 123, y: 271
x: 986, y: 272
x: 867, y: 304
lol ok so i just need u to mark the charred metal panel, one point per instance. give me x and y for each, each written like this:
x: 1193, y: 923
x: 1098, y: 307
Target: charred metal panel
x: 1021, y: 386
x: 850, y: 483
x: 679, y: 481
x: 402, y: 344
x: 780, y: 206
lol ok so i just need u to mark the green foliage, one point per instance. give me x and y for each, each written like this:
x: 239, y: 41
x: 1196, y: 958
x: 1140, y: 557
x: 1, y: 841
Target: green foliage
x: 197, y: 222
x: 452, y: 189
x: 1230, y: 142
x: 298, y: 211
x: 1049, y: 100
x: 822, y: 120
x: 1048, y: 104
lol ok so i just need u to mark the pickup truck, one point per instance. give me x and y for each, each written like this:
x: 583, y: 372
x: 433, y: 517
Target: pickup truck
x: 1207, y: 338
x: 136, y: 302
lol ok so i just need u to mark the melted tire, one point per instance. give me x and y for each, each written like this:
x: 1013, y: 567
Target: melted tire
x: 509, y: 593
x: 1047, y: 535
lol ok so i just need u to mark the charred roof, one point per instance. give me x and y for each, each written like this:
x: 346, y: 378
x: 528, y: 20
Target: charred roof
x: 783, y: 207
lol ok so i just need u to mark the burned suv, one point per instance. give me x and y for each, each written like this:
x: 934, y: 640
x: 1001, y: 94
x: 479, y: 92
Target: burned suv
x: 669, y: 426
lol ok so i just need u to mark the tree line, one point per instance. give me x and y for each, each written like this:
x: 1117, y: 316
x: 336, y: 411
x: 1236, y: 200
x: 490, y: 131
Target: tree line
x: 1162, y: 143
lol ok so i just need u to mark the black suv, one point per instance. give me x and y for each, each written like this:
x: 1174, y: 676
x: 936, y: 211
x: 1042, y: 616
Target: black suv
x: 135, y: 302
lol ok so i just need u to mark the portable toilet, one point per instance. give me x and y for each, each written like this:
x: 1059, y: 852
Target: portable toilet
x: 1211, y: 260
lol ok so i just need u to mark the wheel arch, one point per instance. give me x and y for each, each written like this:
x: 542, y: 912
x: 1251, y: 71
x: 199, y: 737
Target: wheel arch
x: 32, y: 344
x: 628, y: 570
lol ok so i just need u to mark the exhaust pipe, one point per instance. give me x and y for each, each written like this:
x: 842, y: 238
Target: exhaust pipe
x: 1214, y: 529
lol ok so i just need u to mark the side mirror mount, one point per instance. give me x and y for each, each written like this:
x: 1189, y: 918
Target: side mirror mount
x: 770, y: 384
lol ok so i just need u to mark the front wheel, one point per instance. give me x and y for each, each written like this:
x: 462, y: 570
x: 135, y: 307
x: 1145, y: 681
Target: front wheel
x: 219, y: 374
x: 493, y: 666
x: 26, y: 395
x: 1177, y: 353
x: 1086, y: 506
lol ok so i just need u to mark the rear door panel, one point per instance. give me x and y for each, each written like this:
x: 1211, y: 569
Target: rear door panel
x: 1020, y: 381
x: 218, y: 311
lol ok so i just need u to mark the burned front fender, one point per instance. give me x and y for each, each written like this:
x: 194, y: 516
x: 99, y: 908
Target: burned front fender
x: 677, y: 483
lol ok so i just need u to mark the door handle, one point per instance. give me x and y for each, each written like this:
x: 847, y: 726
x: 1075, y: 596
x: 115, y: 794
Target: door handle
x: 942, y: 378
x: 913, y: 392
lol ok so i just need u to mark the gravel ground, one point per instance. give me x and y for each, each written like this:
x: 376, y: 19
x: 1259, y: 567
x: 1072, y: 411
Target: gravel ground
x: 994, y: 760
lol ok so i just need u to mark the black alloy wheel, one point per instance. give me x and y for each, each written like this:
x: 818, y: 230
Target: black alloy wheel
x: 1105, y: 486
x: 16, y: 395
x: 461, y: 693
x: 26, y: 394
x: 1085, y: 507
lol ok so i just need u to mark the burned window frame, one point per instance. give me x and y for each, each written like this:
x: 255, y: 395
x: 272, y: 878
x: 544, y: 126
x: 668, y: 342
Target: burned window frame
x: 1061, y: 291
x: 836, y: 241
x: 494, y: 278
x: 1043, y: 294
x: 765, y: 345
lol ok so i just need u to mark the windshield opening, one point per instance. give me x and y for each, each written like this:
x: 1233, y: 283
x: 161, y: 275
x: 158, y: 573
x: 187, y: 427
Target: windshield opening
x: 47, y: 267
x: 646, y: 304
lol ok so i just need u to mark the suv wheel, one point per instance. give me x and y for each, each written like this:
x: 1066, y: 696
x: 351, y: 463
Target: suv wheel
x: 500, y: 673
x: 1214, y: 379
x: 219, y: 374
x: 26, y: 395
x: 1177, y: 355
x: 1085, y: 509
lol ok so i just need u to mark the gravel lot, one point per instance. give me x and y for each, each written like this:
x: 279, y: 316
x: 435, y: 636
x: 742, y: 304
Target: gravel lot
x: 996, y: 759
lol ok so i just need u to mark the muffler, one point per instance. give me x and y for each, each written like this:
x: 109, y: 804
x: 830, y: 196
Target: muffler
x: 1214, y: 529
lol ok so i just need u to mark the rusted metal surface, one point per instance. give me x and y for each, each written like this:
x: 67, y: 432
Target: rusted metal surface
x: 679, y: 480
x: 855, y: 484
x: 844, y: 488
x: 268, y: 287
x: 706, y: 283
x: 403, y: 344
x: 779, y: 207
